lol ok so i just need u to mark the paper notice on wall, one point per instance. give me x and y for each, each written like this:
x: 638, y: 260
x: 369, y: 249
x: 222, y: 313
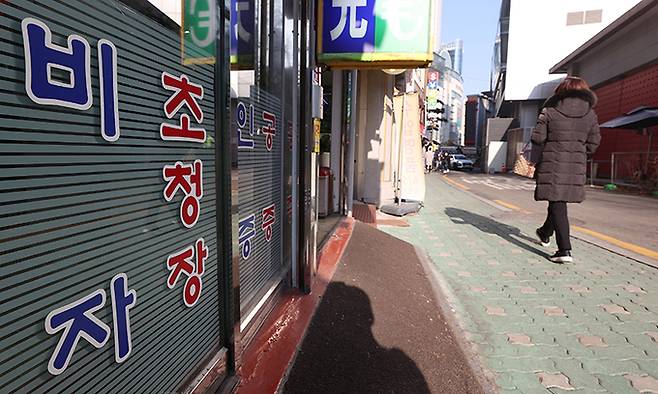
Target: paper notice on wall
x: 412, y: 174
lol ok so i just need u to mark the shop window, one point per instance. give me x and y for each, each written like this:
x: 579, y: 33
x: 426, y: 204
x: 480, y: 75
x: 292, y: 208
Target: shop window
x: 262, y: 84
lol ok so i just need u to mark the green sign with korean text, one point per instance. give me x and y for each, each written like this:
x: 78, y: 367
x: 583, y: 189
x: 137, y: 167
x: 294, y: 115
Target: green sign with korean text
x: 198, y: 31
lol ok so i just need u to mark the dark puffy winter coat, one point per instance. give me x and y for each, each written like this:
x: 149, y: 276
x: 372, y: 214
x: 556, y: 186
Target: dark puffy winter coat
x: 567, y: 131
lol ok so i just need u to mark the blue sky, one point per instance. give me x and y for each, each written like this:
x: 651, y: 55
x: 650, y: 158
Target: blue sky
x: 475, y: 22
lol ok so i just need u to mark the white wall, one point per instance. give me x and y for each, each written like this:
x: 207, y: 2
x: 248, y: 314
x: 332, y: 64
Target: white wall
x: 539, y: 38
x: 170, y: 7
x: 438, y: 15
x: 528, y: 113
x: 376, y: 158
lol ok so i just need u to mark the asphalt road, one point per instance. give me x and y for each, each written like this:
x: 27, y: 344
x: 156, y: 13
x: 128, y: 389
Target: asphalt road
x: 629, y: 218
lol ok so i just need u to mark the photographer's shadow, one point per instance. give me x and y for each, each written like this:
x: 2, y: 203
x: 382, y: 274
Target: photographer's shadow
x: 341, y: 355
x: 487, y: 225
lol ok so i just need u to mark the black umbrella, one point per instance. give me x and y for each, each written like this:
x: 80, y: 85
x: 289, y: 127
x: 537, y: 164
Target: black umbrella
x: 637, y: 119
x: 641, y: 119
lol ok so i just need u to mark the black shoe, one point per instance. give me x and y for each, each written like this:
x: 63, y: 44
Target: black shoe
x: 562, y: 256
x: 543, y: 241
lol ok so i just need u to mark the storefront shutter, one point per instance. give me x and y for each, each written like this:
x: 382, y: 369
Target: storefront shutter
x: 75, y: 210
x: 261, y: 185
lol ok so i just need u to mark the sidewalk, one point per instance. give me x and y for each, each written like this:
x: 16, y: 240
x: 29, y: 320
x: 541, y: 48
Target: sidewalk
x: 591, y: 326
x: 379, y: 328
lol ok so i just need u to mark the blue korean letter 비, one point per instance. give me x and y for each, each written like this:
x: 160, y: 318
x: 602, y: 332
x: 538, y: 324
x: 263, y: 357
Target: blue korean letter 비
x: 73, y: 61
x: 42, y: 56
x: 77, y: 320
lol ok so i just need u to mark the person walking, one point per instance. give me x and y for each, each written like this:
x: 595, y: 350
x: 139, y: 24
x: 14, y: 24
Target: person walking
x: 429, y: 158
x: 445, y: 162
x: 567, y: 131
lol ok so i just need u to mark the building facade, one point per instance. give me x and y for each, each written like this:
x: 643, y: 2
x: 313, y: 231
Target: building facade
x: 391, y: 121
x: 448, y: 123
x: 478, y: 110
x: 624, y: 79
x: 170, y: 179
x: 451, y: 93
x: 162, y: 178
x: 532, y: 36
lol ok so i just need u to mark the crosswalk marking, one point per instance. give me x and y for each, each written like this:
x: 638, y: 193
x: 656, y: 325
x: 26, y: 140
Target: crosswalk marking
x: 499, y: 183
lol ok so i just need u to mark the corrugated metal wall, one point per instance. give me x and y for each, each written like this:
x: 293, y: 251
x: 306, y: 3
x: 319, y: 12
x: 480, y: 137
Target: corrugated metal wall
x: 76, y: 210
x: 617, y: 98
x: 260, y: 185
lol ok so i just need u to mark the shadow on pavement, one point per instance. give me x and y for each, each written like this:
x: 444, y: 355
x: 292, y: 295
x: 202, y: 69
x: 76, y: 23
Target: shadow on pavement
x: 341, y: 355
x: 487, y: 225
x: 379, y: 327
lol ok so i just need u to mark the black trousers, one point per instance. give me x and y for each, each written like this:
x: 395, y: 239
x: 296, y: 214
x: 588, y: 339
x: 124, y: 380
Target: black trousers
x: 557, y: 222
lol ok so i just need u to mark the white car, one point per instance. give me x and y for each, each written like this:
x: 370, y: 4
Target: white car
x: 460, y: 162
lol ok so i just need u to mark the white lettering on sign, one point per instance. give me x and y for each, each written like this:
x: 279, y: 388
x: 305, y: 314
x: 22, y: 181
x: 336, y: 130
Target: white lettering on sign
x: 351, y: 5
x: 240, y: 32
x: 206, y: 20
x: 403, y: 19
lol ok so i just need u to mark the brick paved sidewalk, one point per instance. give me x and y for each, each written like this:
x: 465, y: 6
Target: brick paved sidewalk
x: 591, y: 326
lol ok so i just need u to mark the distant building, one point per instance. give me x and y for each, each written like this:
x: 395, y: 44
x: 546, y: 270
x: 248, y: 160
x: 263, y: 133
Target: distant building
x: 478, y: 110
x: 532, y: 36
x: 471, y: 120
x: 434, y: 107
x: 455, y: 51
x: 451, y: 95
x: 455, y: 108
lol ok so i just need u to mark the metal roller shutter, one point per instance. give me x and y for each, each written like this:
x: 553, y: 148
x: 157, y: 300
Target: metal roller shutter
x: 76, y: 210
x: 261, y: 183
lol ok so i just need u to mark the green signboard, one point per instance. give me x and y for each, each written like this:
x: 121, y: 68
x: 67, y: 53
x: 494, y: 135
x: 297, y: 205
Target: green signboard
x: 432, y: 99
x: 376, y: 33
x: 198, y: 31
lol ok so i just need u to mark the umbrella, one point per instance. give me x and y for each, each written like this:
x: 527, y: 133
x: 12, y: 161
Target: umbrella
x: 641, y: 118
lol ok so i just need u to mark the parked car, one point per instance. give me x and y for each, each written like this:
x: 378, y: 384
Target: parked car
x: 460, y: 162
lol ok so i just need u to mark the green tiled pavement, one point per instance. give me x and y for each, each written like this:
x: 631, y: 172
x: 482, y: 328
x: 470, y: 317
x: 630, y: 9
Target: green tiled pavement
x: 594, y: 321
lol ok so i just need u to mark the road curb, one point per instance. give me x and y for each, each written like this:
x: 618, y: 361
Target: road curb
x: 614, y: 249
x: 485, y: 377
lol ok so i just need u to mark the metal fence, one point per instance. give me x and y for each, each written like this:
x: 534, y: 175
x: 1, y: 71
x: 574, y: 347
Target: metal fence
x: 633, y: 169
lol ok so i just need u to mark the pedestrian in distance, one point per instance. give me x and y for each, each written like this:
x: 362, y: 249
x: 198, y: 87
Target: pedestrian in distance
x: 429, y: 158
x: 445, y: 162
x: 567, y: 131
